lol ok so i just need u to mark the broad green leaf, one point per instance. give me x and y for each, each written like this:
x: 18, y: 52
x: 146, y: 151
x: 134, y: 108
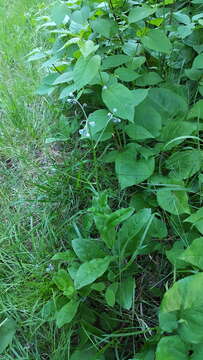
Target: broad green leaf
x: 131, y: 171
x: 157, y: 229
x: 81, y: 16
x: 59, y: 12
x: 126, y: 235
x: 101, y: 78
x: 167, y: 103
x: 118, y: 216
x: 157, y: 21
x: 137, y: 62
x: 197, y: 219
x: 140, y: 200
x: 98, y: 121
x: 130, y: 47
x: 72, y: 269
x: 67, y: 313
x: 50, y: 79
x: 185, y: 30
x: 148, y: 79
x: 67, y: 91
x: 137, y: 132
x: 196, y: 110
x: 113, y: 61
x: 174, y: 130
x: 147, y: 117
x: 139, y: 96
x: 106, y: 224
x: 100, y: 203
x: 198, y: 62
x: 193, y: 74
x: 65, y: 256
x: 47, y: 87
x: 184, y: 164
x: 90, y: 271
x: 44, y: 89
x: 125, y: 293
x: 100, y: 286
x: 120, y: 101
x: 139, y: 13
x: 174, y: 254
x: 126, y: 74
x: 182, y: 309
x: 64, y: 282
x: 172, y: 348
x: 64, y: 78
x: 49, y: 310
x: 157, y: 40
x: 173, y: 201
x: 85, y: 70
x: 105, y: 27
x: 148, y: 353
x: 7, y: 332
x: 181, y: 17
x: 87, y: 249
x: 37, y: 56
x: 87, y: 47
x: 194, y: 253
x: 110, y: 294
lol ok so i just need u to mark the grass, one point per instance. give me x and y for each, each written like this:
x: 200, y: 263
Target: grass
x: 40, y: 189
x: 29, y: 225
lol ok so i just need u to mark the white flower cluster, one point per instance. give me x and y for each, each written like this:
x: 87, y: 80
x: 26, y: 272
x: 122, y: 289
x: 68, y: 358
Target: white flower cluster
x: 84, y: 132
x: 113, y: 118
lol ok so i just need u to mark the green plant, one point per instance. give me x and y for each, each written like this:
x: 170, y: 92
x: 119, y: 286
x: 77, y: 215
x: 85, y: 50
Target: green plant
x: 130, y: 75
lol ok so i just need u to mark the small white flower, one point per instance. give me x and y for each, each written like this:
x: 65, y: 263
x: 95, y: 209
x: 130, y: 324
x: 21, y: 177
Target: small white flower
x: 71, y: 101
x: 104, y: 87
x: 92, y: 123
x: 110, y: 115
x: 84, y: 105
x: 50, y: 268
x: 116, y: 120
x: 84, y: 132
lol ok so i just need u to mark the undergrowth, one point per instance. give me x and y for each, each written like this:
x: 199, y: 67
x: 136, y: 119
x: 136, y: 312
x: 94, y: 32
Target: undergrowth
x: 105, y: 235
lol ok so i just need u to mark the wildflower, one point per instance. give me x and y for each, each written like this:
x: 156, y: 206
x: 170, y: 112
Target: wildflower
x: 116, y: 120
x: 84, y: 132
x: 71, y: 101
x: 92, y: 123
x: 110, y: 115
x: 104, y: 87
x: 50, y: 268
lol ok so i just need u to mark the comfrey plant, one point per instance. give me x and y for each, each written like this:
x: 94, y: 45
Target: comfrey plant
x: 133, y: 71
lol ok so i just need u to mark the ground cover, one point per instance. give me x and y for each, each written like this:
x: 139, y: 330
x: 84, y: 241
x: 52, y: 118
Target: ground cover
x: 104, y: 239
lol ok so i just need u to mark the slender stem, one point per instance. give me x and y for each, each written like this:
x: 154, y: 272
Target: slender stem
x: 92, y: 144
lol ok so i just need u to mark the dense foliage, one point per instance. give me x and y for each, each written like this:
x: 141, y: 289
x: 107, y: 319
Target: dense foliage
x: 129, y: 75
